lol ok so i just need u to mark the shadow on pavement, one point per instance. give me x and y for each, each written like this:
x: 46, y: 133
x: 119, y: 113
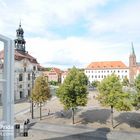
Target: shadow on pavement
x: 130, y: 118
x: 99, y: 134
x: 97, y: 115
x: 66, y: 114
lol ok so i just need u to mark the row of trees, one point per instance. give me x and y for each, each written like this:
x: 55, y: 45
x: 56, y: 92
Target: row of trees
x: 73, y: 92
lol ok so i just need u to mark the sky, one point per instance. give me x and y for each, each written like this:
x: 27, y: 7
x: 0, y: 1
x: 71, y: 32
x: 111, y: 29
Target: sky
x: 66, y: 33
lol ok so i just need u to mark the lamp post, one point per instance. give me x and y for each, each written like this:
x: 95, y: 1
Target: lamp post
x: 32, y: 103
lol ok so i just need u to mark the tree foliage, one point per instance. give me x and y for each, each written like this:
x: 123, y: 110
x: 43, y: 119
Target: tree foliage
x: 40, y: 91
x: 125, y: 81
x: 137, y: 83
x: 136, y: 102
x: 110, y: 94
x: 95, y: 83
x: 73, y: 92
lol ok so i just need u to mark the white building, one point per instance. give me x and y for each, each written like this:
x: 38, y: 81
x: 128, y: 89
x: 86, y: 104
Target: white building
x: 97, y: 71
x: 63, y: 76
x: 26, y: 67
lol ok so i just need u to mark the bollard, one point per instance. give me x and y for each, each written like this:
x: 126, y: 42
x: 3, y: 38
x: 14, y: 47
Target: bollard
x: 25, y: 131
x: 17, y: 130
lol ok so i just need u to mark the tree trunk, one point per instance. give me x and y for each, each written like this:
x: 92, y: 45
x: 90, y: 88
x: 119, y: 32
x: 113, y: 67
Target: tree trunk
x: 40, y: 111
x: 112, y: 123
x: 72, y: 115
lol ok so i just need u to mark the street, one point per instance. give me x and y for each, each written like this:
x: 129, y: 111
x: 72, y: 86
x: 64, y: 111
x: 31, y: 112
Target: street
x: 46, y: 131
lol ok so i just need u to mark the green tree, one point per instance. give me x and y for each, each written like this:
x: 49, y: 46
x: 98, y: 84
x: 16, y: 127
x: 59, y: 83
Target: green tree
x: 125, y: 81
x: 73, y: 92
x: 40, y: 92
x: 110, y: 94
x: 136, y: 101
x: 95, y: 83
x: 137, y: 83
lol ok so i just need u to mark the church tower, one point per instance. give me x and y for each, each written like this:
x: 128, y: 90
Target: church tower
x: 19, y: 41
x: 132, y: 63
x: 132, y: 58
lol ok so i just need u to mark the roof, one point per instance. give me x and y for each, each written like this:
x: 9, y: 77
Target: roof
x: 20, y: 55
x: 57, y: 70
x: 106, y: 65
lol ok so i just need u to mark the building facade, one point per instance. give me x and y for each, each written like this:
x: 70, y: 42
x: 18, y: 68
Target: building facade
x: 97, y: 71
x: 63, y: 76
x: 53, y: 75
x: 26, y: 67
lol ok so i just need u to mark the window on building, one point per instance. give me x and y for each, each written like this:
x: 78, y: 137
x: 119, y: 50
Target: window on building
x: 98, y: 76
x: 126, y: 71
x: 102, y: 76
x: 28, y: 93
x: 28, y: 76
x: 92, y: 76
x: 20, y: 77
x: 24, y: 69
x: 21, y: 95
x: 118, y: 71
x: 95, y: 76
x: 28, y: 85
x: 20, y: 86
x: 108, y: 71
x: 34, y: 68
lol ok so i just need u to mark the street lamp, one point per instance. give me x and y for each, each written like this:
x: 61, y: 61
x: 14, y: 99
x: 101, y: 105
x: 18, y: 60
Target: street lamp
x: 32, y: 103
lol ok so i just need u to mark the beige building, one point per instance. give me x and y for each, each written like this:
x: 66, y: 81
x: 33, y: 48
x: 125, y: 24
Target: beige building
x: 26, y: 67
x: 53, y: 75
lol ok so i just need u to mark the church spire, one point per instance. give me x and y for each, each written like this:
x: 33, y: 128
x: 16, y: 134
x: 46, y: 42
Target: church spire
x: 132, y: 49
x: 19, y: 41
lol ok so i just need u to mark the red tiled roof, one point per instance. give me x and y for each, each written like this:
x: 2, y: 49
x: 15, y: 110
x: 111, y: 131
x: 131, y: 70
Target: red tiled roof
x: 106, y: 65
x: 19, y: 56
x: 58, y: 71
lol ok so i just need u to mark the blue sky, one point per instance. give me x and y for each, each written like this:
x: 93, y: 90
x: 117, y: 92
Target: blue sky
x: 63, y: 33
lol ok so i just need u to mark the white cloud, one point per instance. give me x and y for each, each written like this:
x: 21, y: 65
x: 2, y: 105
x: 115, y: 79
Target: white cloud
x: 123, y: 19
x: 37, y: 16
x: 62, y: 11
x: 75, y: 51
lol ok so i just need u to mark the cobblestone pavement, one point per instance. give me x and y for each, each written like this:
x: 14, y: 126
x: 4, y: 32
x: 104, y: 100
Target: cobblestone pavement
x: 42, y: 131
x: 93, y: 116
